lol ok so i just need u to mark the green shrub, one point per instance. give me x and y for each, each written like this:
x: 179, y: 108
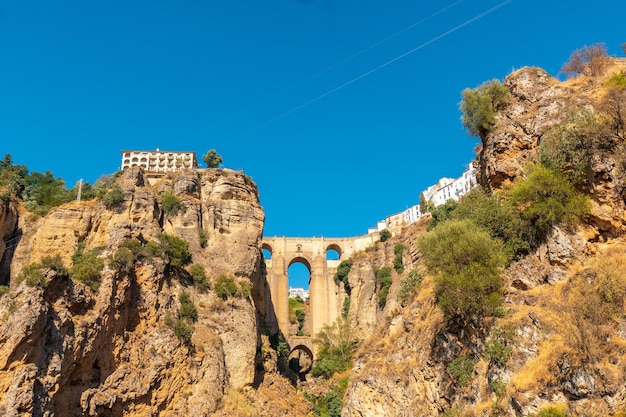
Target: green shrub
x: 112, y: 197
x: 172, y: 204
x: 198, y: 274
x: 329, y: 405
x: 479, y: 106
x: 341, y: 276
x: 4, y: 290
x: 467, y: 263
x: 225, y: 287
x: 43, y: 192
x: 346, y: 307
x: 442, y: 213
x: 54, y: 263
x: 497, y: 216
x: 203, y: 238
x: 545, y: 199
x: 188, y: 310
x: 383, y: 282
x: 176, y: 249
x: 336, y: 345
x: 87, y: 269
x: 245, y: 289
x: 398, y: 250
x: 617, y: 80
x: 277, y: 342
x: 183, y: 331
x: 498, y: 352
x: 123, y: 260
x: 569, y: 147
x: 552, y: 411
x: 498, y: 387
x: 461, y: 370
x: 408, y: 286
x: 33, y: 274
x: 385, y: 235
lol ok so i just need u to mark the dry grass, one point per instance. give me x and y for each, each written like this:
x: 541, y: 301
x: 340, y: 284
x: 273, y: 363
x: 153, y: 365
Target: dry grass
x: 569, y: 325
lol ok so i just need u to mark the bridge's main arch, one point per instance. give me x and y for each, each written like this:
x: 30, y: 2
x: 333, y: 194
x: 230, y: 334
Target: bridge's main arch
x: 323, y: 292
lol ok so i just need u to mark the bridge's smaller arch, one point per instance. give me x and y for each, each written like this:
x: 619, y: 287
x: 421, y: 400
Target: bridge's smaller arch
x: 333, y: 252
x: 267, y: 251
x: 301, y: 359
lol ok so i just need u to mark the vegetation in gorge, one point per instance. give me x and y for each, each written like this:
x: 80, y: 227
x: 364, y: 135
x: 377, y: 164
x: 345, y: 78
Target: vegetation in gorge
x: 336, y: 344
x: 330, y: 404
x: 383, y: 283
x: 87, y: 266
x: 36, y: 274
x: 467, y: 263
x: 297, y: 313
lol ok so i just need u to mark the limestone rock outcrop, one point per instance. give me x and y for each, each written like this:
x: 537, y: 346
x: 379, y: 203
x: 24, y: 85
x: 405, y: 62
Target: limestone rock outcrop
x: 539, y: 102
x: 66, y: 350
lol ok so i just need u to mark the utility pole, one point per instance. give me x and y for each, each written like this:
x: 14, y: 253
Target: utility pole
x: 80, y: 188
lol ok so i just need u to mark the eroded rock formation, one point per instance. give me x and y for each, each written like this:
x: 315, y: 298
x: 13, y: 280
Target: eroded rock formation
x: 66, y: 350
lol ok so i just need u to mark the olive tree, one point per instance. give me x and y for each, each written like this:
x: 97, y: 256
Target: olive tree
x: 212, y: 159
x: 466, y: 262
x: 479, y: 106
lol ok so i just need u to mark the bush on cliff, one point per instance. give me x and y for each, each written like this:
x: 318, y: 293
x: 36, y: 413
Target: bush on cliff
x: 36, y: 274
x: 87, y: 268
x: 176, y: 249
x: 467, y: 263
x: 172, y: 204
x: 479, y: 106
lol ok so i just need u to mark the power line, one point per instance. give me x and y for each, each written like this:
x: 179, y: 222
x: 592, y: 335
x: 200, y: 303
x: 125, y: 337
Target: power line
x: 370, y: 72
x: 343, y: 61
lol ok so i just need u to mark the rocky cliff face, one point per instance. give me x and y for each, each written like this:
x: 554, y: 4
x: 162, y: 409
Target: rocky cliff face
x: 547, y: 349
x: 539, y: 102
x: 67, y: 350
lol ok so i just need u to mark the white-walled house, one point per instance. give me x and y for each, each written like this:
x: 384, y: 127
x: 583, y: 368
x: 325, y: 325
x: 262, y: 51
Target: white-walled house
x: 298, y: 292
x: 159, y: 161
x: 445, y: 189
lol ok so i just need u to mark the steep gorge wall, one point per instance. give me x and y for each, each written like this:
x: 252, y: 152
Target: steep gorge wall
x: 68, y: 351
x: 402, y: 366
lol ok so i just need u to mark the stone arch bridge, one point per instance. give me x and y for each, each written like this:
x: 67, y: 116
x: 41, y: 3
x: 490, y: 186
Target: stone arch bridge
x: 324, y: 303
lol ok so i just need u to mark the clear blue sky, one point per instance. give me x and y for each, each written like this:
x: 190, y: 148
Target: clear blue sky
x: 304, y: 96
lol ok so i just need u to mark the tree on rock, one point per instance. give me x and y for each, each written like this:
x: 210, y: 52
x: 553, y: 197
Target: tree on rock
x: 588, y: 56
x: 212, y: 159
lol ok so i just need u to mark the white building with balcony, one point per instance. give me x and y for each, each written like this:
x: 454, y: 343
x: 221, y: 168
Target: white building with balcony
x: 298, y: 292
x: 158, y: 163
x: 445, y: 189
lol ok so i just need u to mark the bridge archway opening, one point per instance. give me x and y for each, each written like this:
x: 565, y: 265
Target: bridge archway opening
x: 301, y: 360
x: 299, y: 273
x: 299, y: 276
x: 333, y: 252
x: 267, y: 252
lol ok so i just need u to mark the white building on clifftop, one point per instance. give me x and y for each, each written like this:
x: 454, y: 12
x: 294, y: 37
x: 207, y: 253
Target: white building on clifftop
x: 158, y: 163
x: 445, y: 189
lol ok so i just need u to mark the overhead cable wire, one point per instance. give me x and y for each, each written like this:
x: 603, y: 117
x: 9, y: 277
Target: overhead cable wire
x: 357, y: 54
x: 370, y: 72
x: 343, y: 61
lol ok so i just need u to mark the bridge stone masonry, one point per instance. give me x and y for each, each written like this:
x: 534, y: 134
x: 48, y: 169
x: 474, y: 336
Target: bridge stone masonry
x: 324, y: 304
